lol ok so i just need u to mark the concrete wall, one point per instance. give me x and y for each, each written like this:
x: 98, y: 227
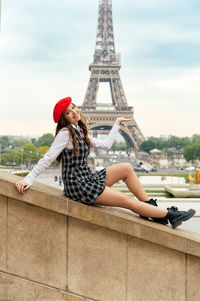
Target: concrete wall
x: 53, y: 249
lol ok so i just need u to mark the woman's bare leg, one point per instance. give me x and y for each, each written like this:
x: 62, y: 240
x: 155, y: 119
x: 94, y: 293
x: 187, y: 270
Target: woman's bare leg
x: 115, y: 198
x: 124, y: 171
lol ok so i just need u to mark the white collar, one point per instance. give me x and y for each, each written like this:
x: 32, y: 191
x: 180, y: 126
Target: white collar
x: 77, y: 127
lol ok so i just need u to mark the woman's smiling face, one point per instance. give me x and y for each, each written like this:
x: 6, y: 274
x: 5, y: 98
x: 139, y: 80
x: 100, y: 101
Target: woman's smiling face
x: 72, y: 114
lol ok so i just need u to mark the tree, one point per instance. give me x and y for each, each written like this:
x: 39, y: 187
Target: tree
x: 178, y: 142
x: 121, y: 146
x: 192, y: 152
x: 45, y: 140
x: 43, y: 149
x: 34, y: 141
x: 195, y: 138
x: 4, y: 141
x: 25, y: 154
x: 19, y: 142
x: 163, y: 144
x: 148, y: 145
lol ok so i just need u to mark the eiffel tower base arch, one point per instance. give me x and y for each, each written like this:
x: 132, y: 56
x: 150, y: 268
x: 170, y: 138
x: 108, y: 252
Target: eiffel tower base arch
x: 101, y: 123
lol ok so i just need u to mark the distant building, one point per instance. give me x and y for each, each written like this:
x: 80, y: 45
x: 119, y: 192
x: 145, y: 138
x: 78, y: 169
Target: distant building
x: 163, y: 137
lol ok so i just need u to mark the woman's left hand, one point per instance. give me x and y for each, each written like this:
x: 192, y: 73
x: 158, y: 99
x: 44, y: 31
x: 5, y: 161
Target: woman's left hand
x: 122, y: 119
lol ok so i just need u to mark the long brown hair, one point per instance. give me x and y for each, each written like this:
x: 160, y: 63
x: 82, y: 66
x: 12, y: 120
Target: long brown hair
x: 64, y: 123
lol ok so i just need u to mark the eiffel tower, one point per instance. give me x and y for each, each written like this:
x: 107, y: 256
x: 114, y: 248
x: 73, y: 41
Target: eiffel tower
x: 105, y: 68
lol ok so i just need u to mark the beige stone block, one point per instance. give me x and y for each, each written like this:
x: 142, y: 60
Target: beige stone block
x: 39, y: 194
x: 71, y: 297
x: 194, y: 245
x: 74, y: 298
x: 155, y: 273
x: 16, y: 289
x: 96, y: 261
x: 37, y: 244
x: 193, y: 278
x: 3, y: 231
x: 125, y: 221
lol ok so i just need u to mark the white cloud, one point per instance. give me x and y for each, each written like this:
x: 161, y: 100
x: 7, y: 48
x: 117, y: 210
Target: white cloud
x: 165, y: 100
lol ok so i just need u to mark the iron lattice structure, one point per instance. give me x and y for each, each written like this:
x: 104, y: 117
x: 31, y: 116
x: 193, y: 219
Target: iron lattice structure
x: 105, y: 68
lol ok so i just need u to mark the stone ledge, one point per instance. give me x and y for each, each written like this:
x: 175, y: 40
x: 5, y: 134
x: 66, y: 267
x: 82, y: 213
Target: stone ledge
x: 117, y: 219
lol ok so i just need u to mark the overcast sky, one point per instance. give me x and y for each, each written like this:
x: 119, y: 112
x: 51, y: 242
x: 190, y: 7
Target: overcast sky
x: 46, y: 47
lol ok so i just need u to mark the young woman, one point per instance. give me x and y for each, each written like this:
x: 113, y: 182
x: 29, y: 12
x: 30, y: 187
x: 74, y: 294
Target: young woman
x: 71, y: 146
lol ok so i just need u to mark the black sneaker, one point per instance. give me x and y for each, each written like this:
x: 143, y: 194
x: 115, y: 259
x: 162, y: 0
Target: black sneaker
x: 176, y: 217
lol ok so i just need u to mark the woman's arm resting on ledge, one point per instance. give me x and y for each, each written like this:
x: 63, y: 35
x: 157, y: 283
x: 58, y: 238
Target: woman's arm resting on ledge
x: 22, y: 186
x: 60, y: 142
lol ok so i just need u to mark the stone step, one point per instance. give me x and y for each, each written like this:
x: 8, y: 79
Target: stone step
x: 156, y: 194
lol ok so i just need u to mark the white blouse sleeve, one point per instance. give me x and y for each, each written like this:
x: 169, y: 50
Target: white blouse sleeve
x: 108, y: 142
x: 60, y: 142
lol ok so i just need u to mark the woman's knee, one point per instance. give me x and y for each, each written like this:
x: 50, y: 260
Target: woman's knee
x: 127, y: 167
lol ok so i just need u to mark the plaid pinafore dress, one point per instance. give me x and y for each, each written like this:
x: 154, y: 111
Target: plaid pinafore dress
x: 80, y: 184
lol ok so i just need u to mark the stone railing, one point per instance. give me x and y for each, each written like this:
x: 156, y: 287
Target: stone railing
x: 53, y: 249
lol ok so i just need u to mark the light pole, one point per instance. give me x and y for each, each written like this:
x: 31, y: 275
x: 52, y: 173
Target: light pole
x: 22, y: 160
x: 30, y: 157
x: 38, y: 156
x: 10, y: 147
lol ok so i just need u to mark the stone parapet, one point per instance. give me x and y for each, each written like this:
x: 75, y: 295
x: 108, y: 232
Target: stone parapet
x: 52, y: 248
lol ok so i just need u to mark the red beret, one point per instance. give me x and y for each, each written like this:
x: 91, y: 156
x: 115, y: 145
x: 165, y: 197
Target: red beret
x: 60, y: 107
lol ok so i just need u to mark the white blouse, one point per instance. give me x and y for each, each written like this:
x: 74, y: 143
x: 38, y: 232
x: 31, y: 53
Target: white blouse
x: 64, y: 140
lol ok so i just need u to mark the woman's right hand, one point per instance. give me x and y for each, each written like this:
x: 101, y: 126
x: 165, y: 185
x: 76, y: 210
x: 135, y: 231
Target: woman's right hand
x: 119, y: 120
x: 22, y: 186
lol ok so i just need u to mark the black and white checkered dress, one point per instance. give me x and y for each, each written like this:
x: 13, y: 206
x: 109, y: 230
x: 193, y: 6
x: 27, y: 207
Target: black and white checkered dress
x: 80, y: 184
